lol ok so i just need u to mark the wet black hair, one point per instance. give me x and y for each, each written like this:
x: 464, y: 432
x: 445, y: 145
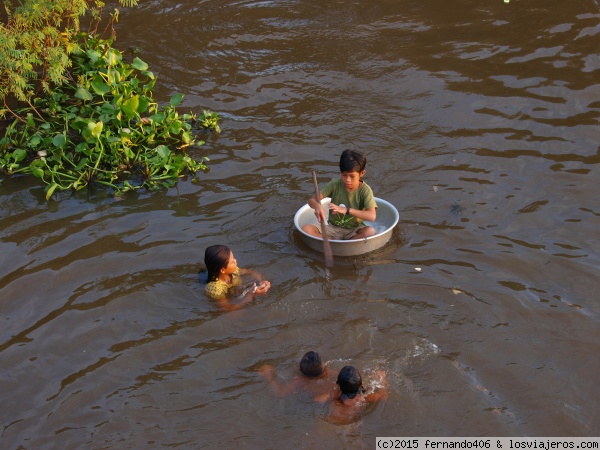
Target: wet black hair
x: 216, y: 257
x: 311, y: 364
x: 350, y: 381
x: 351, y: 161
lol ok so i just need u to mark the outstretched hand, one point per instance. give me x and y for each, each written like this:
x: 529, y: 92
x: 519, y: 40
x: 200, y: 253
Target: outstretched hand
x: 263, y: 287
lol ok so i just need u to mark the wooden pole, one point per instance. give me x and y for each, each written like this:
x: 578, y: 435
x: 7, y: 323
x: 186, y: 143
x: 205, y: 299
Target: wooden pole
x: 326, y: 245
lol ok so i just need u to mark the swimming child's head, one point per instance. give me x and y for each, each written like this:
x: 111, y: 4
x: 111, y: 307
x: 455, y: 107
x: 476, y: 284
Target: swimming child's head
x: 352, y: 161
x: 311, y: 364
x: 350, y: 381
x: 216, y: 257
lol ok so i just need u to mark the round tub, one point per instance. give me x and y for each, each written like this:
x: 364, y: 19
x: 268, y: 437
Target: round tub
x: 387, y: 218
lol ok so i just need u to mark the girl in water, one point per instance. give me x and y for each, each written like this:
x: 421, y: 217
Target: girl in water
x: 225, y: 279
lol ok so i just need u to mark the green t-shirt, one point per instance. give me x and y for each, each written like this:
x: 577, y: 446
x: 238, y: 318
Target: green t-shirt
x: 361, y: 199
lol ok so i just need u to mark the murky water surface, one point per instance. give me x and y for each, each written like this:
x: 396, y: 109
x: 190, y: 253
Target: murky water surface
x: 480, y: 124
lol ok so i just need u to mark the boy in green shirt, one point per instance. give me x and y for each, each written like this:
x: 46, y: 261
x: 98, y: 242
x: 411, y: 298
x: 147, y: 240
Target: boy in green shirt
x: 352, y: 202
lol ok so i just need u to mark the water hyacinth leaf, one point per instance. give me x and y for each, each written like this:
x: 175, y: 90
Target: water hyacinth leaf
x: 175, y: 128
x: 149, y: 86
x: 176, y: 99
x: 128, y: 152
x: 163, y: 151
x: 82, y: 163
x: 113, y: 57
x: 83, y: 94
x: 34, y: 141
x: 59, y: 141
x: 93, y: 55
x: 114, y: 77
x: 95, y: 129
x: 157, y: 118
x: 108, y: 109
x: 82, y: 147
x: 143, y: 105
x: 19, y: 155
x: 138, y: 64
x: 89, y: 127
x: 130, y: 106
x: 51, y: 190
x: 79, y: 124
x: 100, y: 88
x: 37, y: 172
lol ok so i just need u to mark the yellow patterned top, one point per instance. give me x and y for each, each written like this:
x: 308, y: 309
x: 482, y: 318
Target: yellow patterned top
x: 216, y: 290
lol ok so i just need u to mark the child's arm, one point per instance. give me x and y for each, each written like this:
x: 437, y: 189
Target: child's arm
x: 316, y: 205
x: 225, y: 305
x: 329, y: 395
x: 268, y: 372
x: 369, y: 214
x: 280, y: 389
x: 381, y: 393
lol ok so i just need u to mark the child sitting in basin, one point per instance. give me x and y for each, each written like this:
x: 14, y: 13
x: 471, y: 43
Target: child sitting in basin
x: 315, y: 377
x: 349, y: 399
x: 224, y: 279
x: 352, y: 202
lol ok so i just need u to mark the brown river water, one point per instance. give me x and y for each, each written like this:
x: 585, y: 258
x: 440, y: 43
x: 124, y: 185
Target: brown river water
x: 479, y: 120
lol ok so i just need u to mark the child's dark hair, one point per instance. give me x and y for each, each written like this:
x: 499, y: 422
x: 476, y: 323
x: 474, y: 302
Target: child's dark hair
x: 216, y: 257
x: 352, y: 161
x: 350, y: 381
x: 311, y: 364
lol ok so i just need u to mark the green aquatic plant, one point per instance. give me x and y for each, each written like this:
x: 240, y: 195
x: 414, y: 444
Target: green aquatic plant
x: 341, y: 220
x: 37, y: 39
x: 209, y: 120
x: 76, y: 114
x: 104, y: 128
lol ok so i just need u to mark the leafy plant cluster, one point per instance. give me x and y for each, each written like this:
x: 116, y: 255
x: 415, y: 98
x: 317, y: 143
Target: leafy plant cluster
x: 85, y: 116
x: 104, y: 129
x: 341, y: 220
x: 37, y: 40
